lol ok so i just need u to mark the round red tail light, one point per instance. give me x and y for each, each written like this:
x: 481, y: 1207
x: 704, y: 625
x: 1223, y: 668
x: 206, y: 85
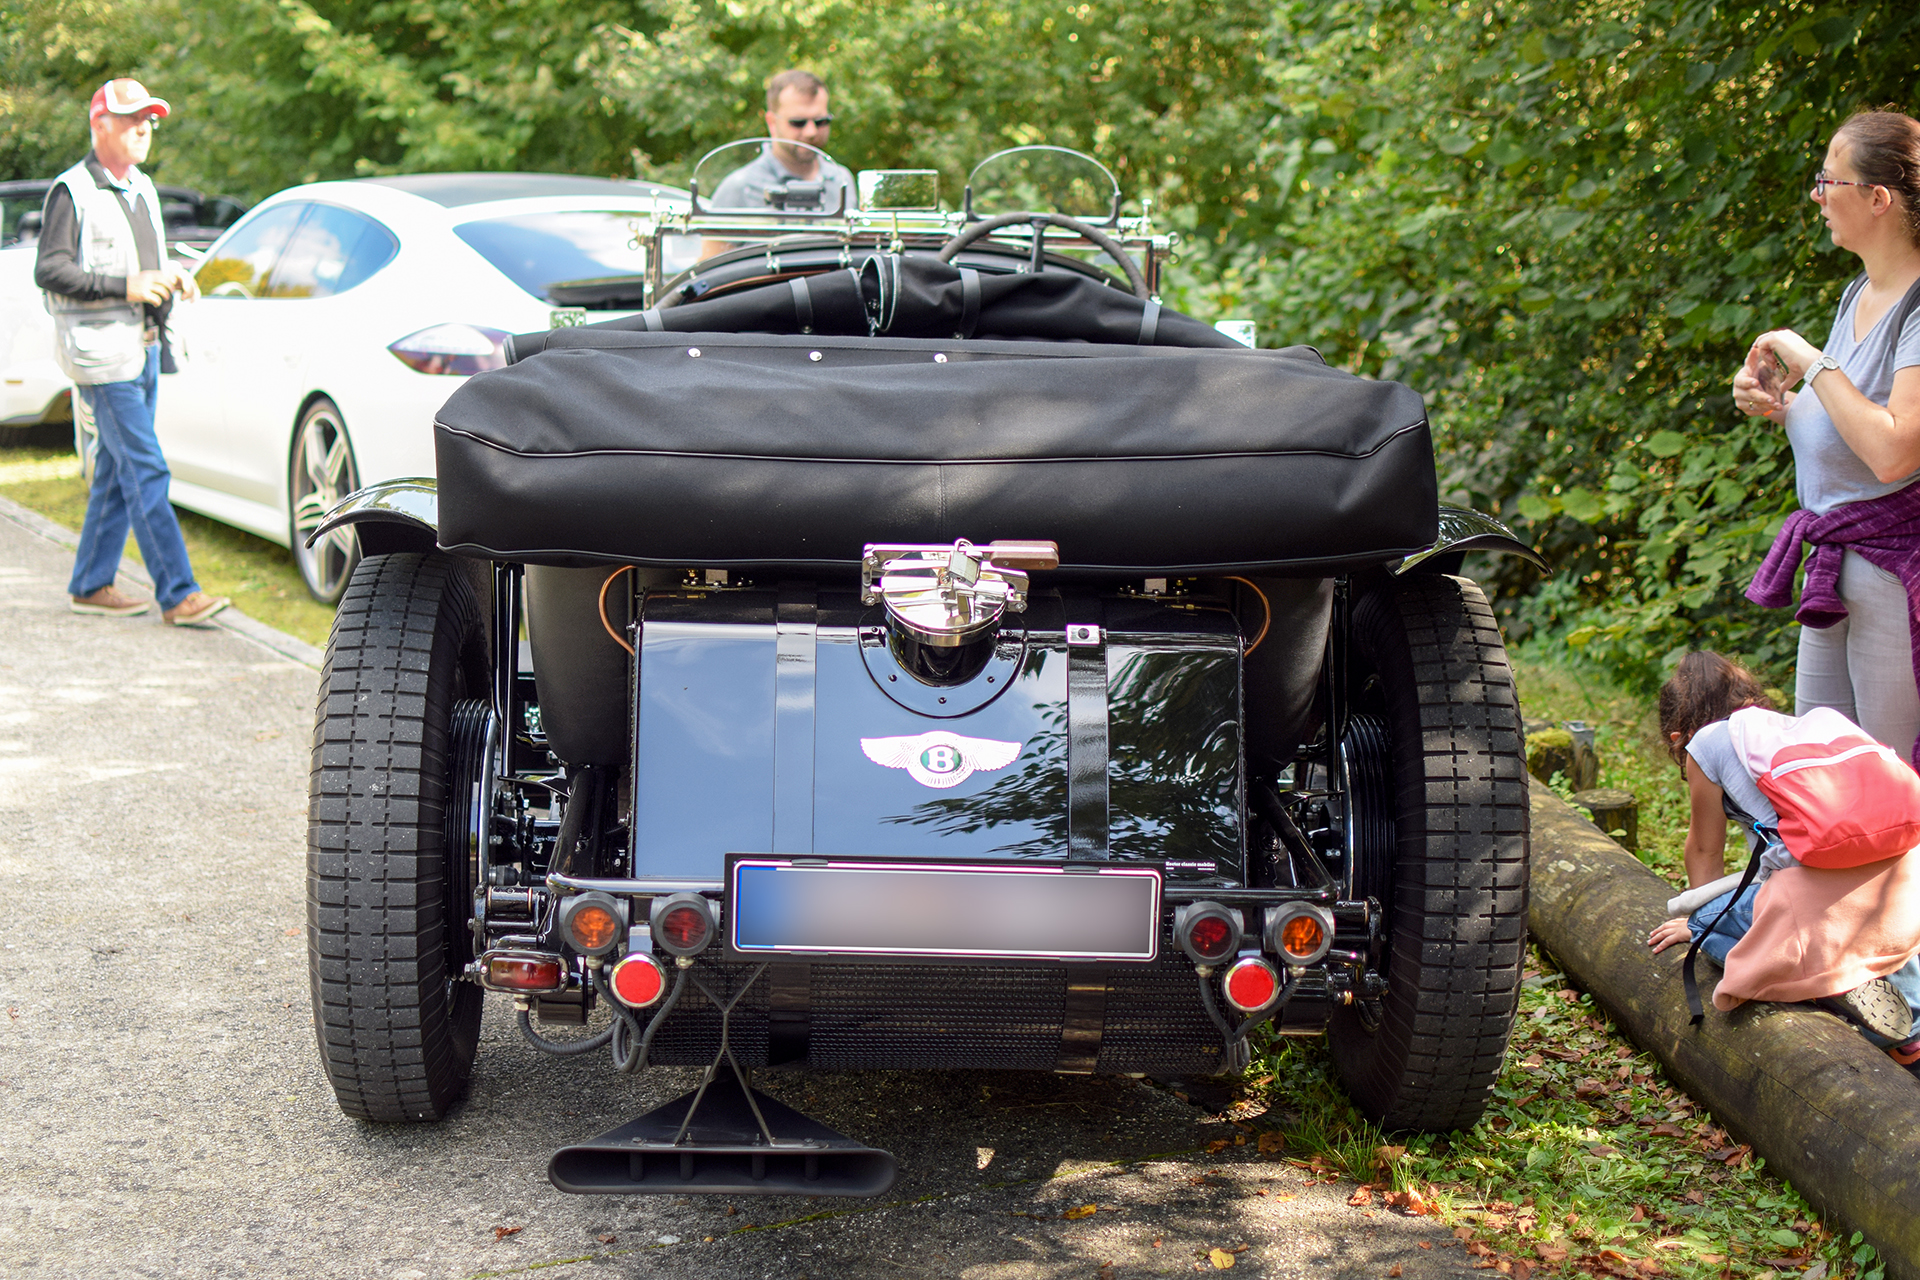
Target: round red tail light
x: 1207, y: 932
x: 638, y: 980
x: 682, y: 924
x: 1252, y: 984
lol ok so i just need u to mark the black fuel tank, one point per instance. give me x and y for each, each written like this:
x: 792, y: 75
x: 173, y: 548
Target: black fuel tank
x: 777, y: 721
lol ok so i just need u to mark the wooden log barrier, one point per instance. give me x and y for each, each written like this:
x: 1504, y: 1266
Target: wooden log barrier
x: 1830, y: 1113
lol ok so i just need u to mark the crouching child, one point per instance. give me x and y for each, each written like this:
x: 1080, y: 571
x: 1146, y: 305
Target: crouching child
x: 1828, y: 912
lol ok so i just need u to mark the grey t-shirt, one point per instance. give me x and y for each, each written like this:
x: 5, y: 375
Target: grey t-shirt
x: 1712, y: 749
x: 746, y: 187
x: 1827, y: 472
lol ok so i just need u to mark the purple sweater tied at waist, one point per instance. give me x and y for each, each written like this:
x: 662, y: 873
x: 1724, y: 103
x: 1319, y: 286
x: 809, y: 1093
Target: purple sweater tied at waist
x: 1886, y: 534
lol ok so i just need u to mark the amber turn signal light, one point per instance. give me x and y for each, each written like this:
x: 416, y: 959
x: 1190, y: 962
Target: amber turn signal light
x: 592, y: 923
x: 1299, y: 933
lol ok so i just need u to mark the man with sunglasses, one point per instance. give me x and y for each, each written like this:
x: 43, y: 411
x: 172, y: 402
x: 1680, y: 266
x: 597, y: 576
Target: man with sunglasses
x: 109, y: 285
x: 785, y: 175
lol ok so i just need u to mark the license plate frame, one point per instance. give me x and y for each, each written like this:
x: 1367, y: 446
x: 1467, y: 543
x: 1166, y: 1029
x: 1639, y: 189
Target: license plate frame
x: 889, y: 910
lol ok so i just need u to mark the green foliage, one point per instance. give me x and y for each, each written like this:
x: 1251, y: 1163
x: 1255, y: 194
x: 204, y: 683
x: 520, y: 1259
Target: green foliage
x: 1564, y: 224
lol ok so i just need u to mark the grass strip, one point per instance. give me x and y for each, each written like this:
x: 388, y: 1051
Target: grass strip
x: 257, y: 574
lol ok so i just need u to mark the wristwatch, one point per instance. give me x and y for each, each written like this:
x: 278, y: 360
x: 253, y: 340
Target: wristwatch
x: 1824, y: 362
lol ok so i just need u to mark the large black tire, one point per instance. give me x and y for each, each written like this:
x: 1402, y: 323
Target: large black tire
x: 397, y: 1031
x: 1427, y: 1054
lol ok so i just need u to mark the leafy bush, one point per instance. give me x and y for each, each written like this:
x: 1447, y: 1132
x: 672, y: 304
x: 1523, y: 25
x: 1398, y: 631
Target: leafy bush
x: 1565, y: 224
x: 1562, y: 222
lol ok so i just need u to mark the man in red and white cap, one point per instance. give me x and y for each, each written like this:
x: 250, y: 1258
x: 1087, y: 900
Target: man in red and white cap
x: 109, y: 284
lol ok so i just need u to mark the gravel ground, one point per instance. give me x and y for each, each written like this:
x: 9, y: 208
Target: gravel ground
x: 162, y: 1110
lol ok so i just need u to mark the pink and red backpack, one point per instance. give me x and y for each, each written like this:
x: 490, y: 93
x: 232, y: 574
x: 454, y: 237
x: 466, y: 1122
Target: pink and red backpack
x: 1844, y: 799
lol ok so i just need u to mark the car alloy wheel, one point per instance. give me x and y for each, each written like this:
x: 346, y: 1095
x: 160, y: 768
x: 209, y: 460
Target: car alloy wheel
x: 323, y: 472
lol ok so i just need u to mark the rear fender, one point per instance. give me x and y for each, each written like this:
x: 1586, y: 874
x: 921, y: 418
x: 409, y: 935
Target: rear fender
x: 1462, y: 531
x: 394, y: 515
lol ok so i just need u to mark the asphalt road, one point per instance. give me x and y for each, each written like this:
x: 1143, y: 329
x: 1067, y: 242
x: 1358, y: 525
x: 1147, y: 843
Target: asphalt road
x: 163, y: 1113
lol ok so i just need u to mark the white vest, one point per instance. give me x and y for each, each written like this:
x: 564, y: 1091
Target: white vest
x: 104, y: 340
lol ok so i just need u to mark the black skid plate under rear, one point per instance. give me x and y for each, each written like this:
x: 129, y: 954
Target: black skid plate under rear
x: 724, y: 1152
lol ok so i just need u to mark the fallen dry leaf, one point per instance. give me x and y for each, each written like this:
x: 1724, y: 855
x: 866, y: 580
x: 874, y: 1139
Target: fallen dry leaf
x: 1220, y: 1259
x: 1411, y: 1203
x: 1478, y: 1250
x: 1695, y: 1196
x: 1217, y: 1146
x: 608, y: 1239
x: 1522, y: 1269
x: 1393, y: 1271
x: 1426, y: 1244
x: 501, y: 1233
x: 1362, y: 1195
x: 1272, y: 1143
x: 1105, y: 1272
x: 1550, y: 1252
x: 1079, y: 1211
x: 1667, y: 1131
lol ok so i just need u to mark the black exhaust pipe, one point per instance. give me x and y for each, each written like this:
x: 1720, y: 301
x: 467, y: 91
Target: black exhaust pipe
x: 724, y: 1152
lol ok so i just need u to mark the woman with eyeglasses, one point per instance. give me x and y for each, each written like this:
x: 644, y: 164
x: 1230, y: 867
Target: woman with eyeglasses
x: 1854, y: 427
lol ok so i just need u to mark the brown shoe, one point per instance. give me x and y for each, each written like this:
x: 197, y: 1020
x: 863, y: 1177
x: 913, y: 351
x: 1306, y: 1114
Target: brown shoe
x: 109, y: 602
x: 196, y: 610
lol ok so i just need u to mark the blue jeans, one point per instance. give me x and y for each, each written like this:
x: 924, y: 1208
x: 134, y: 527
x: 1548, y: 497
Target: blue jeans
x: 1905, y: 980
x: 1731, y: 930
x: 130, y: 492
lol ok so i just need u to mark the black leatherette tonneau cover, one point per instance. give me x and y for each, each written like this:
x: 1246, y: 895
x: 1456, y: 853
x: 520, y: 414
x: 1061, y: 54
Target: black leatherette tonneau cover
x: 752, y: 450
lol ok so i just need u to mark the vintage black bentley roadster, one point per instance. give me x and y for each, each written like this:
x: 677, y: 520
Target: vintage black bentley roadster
x: 902, y: 643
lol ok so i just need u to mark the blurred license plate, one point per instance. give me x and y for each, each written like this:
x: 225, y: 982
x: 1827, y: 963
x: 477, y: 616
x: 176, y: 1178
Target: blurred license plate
x: 850, y: 908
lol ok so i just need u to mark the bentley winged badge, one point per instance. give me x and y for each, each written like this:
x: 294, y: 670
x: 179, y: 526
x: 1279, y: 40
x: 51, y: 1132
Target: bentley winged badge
x: 940, y: 759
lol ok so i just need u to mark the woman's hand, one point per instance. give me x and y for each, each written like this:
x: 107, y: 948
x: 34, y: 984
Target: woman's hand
x: 1751, y: 398
x: 1669, y: 932
x: 1773, y: 349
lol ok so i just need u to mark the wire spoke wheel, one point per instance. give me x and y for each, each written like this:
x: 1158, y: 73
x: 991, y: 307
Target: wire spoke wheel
x: 322, y: 473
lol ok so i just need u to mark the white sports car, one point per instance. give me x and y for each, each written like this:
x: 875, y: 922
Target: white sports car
x: 337, y: 317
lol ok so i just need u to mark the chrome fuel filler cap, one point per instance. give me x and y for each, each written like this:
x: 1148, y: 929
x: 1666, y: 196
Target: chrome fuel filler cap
x: 948, y: 596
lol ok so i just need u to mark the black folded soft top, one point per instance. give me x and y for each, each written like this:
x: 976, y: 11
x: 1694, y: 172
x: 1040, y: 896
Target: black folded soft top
x: 789, y: 452
x: 730, y: 451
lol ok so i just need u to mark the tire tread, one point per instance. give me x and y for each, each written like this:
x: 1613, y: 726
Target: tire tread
x: 396, y: 1041
x: 1460, y: 886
